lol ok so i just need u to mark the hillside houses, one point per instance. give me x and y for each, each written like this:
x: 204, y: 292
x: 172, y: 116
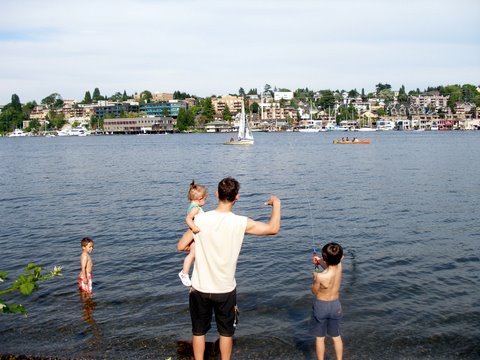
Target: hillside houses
x: 271, y: 111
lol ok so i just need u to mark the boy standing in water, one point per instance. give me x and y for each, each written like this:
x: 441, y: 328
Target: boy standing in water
x: 327, y: 310
x: 86, y: 266
x: 197, y: 194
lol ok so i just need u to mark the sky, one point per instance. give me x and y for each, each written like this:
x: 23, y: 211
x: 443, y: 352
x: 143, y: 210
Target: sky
x: 216, y: 47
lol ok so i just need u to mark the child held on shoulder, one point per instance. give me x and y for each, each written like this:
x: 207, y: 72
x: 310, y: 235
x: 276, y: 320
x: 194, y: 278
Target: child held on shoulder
x: 86, y: 266
x: 327, y: 310
x: 197, y: 195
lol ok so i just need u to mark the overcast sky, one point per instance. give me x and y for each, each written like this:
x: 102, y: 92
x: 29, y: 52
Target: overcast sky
x: 205, y: 47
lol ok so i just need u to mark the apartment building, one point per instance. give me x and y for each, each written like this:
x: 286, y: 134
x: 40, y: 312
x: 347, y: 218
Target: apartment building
x: 435, y: 101
x: 234, y: 103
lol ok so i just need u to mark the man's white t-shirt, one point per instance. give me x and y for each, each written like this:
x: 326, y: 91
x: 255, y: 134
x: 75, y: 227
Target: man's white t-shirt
x: 217, y: 247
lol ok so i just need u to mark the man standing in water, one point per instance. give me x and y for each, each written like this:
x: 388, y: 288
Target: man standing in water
x: 218, y: 246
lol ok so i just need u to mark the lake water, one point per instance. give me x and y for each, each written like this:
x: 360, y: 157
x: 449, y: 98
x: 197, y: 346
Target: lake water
x: 405, y: 208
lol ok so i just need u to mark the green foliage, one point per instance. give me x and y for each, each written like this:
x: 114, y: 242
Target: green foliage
x: 227, y: 115
x: 53, y: 101
x: 26, y: 283
x: 34, y: 125
x: 207, y: 109
x: 346, y: 113
x: 353, y: 93
x: 96, y: 95
x: 56, y: 120
x: 402, y: 95
x: 185, y: 119
x: 87, y: 99
x: 145, y: 97
x: 303, y: 94
x: 12, y: 115
x: 177, y: 95
x: 386, y: 94
x: 255, y: 108
x: 379, y: 87
x: 327, y: 99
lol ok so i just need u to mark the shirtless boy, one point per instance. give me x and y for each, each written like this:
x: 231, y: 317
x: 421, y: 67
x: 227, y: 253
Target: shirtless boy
x: 86, y: 266
x: 327, y: 310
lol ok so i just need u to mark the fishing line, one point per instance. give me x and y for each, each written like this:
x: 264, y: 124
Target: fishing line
x: 310, y: 212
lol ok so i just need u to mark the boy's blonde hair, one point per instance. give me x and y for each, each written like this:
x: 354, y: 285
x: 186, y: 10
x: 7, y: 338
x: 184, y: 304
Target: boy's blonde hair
x: 196, y: 191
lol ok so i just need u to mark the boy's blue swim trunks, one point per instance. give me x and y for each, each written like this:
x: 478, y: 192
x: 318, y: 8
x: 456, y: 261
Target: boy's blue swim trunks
x: 326, y: 317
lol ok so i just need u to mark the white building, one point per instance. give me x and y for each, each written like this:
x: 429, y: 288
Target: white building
x: 285, y: 95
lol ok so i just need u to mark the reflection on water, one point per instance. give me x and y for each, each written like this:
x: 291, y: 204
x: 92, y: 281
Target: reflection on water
x: 93, y: 333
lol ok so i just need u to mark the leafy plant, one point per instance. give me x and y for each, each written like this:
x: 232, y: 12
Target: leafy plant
x: 25, y: 284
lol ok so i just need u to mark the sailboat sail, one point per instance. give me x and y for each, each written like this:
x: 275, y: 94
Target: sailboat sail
x: 245, y: 136
x: 244, y: 132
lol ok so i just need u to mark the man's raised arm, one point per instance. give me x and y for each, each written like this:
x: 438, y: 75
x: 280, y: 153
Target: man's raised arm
x: 273, y: 225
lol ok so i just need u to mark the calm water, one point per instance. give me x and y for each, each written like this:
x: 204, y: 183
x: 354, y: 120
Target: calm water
x: 405, y: 208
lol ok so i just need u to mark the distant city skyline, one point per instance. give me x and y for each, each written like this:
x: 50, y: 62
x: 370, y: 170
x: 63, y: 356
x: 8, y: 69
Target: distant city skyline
x: 206, y: 47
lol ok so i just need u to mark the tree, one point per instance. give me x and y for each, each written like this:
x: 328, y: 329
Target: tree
x: 267, y: 89
x: 364, y: 97
x: 185, y: 119
x: 454, y: 92
x: 56, y: 120
x: 402, y: 95
x: 15, y: 104
x: 227, y: 115
x: 34, y: 126
x: 145, y: 97
x: 387, y: 95
x: 96, y: 95
x: 255, y: 108
x: 379, y: 87
x: 12, y: 116
x: 87, y: 99
x: 116, y: 97
x: 25, y: 284
x: 241, y: 92
x: 53, y: 101
x: 207, y: 109
x: 353, y: 93
x: 178, y: 95
x: 469, y: 93
x: 327, y: 99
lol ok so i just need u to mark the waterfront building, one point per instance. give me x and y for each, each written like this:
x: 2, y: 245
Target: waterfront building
x: 139, y: 125
x: 115, y: 109
x: 163, y: 108
x: 218, y: 126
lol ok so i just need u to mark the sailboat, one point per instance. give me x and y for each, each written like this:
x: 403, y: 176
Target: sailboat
x: 245, y: 136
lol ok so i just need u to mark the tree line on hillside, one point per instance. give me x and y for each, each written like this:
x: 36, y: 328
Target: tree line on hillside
x: 14, y: 113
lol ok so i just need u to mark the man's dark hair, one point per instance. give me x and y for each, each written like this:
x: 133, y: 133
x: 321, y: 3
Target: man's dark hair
x: 332, y: 253
x: 228, y: 189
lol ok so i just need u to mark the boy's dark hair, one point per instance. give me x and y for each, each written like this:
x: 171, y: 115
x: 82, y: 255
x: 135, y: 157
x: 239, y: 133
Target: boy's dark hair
x: 332, y: 253
x: 228, y: 189
x: 86, y: 241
